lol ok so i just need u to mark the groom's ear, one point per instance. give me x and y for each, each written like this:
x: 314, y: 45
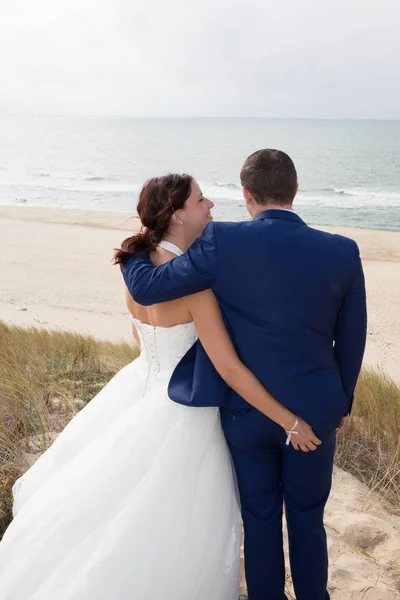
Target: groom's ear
x: 248, y: 198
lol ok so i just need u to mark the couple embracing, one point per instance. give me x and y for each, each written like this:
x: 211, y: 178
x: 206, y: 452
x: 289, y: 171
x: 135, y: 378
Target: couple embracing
x: 252, y: 336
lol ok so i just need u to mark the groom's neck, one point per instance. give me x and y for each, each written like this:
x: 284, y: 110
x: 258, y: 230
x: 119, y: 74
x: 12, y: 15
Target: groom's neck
x: 256, y: 209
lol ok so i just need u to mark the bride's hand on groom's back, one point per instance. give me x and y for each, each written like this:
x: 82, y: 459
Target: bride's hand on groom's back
x: 305, y: 439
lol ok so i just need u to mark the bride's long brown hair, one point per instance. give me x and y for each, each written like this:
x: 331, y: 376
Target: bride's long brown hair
x: 159, y: 198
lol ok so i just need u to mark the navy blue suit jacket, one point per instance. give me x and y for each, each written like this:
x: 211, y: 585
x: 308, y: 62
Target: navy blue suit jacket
x: 293, y: 299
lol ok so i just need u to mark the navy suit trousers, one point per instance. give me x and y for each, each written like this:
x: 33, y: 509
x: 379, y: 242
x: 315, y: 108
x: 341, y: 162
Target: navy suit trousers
x: 272, y: 475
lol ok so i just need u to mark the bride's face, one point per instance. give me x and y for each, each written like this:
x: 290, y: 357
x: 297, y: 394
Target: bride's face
x: 196, y: 213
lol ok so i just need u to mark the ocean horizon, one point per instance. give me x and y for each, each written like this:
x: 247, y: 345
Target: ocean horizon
x: 348, y: 170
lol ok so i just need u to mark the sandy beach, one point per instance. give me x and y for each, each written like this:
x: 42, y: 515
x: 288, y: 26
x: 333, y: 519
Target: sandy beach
x: 56, y: 272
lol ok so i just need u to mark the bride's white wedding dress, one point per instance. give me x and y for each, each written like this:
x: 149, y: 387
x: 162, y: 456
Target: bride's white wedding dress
x: 135, y: 499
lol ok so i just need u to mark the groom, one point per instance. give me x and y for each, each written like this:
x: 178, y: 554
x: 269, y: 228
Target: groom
x: 293, y: 299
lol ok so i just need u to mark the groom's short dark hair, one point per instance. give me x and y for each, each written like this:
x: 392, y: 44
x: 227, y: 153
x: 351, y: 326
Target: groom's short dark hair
x: 270, y: 176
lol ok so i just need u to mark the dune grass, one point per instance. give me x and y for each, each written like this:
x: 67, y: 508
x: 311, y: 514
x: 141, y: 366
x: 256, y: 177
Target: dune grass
x: 369, y: 445
x: 45, y: 378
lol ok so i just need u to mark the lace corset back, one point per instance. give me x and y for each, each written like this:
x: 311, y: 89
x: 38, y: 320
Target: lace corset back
x: 163, y: 347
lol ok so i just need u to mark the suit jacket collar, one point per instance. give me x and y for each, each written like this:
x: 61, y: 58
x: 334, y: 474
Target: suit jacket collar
x: 287, y: 215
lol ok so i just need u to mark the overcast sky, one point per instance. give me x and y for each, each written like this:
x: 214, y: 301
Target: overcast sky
x: 281, y: 58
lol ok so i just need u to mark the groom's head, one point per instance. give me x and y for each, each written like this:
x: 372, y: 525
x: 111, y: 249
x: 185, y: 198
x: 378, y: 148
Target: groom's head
x: 269, y: 180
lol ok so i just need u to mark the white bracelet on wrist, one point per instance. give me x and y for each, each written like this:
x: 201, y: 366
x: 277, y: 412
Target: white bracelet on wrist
x: 292, y: 432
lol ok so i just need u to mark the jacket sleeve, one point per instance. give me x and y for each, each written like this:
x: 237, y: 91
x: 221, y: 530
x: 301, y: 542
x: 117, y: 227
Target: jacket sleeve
x: 351, y: 329
x: 190, y: 273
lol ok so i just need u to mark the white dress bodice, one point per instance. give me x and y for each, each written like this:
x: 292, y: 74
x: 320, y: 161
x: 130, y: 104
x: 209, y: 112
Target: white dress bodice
x: 163, y: 347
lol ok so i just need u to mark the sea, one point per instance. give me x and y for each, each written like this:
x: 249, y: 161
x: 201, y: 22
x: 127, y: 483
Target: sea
x: 349, y: 171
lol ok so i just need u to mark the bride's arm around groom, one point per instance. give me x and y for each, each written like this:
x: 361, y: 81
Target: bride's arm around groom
x: 218, y: 345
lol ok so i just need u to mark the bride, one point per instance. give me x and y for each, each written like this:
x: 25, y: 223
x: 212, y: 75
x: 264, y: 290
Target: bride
x: 136, y: 498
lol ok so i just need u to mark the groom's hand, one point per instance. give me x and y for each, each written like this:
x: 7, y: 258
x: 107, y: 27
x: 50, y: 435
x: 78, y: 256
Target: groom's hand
x: 342, y: 424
